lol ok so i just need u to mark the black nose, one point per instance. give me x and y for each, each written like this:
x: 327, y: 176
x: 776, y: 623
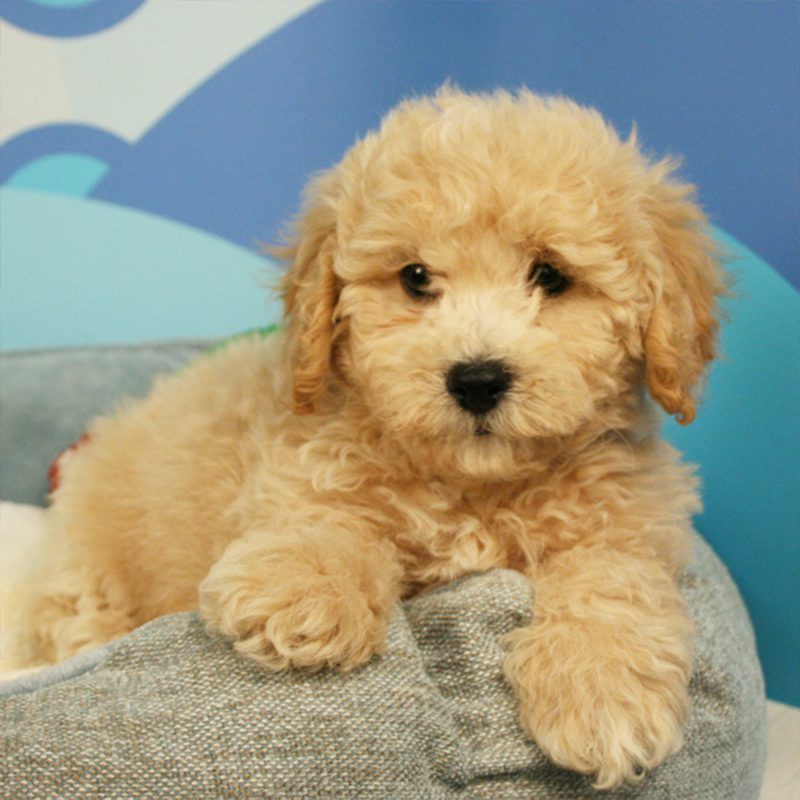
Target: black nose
x: 478, y: 386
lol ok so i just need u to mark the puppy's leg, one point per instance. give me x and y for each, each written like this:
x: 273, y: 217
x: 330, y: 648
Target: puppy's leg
x: 303, y: 597
x: 602, y: 672
x: 51, y: 619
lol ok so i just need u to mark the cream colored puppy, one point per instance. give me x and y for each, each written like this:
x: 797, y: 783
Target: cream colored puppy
x: 478, y: 297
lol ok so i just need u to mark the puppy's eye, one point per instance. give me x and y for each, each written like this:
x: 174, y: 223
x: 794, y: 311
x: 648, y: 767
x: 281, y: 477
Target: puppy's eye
x: 551, y: 280
x: 416, y: 279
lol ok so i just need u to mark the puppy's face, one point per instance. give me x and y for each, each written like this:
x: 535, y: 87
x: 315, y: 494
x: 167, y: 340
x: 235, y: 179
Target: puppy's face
x: 494, y: 273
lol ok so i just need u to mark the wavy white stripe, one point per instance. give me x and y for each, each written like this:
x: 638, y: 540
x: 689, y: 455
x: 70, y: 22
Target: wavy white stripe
x: 128, y: 77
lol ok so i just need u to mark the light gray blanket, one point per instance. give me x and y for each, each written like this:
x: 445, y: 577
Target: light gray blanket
x: 170, y: 713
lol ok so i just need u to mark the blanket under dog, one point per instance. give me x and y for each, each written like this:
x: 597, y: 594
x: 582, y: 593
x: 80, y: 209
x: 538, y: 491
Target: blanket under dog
x: 168, y: 712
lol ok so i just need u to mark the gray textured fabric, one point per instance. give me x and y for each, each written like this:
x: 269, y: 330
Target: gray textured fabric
x: 48, y: 396
x: 168, y: 712
x: 171, y: 713
x: 31, y: 681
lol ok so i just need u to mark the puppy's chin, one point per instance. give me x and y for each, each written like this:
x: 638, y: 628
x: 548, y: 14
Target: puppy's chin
x: 473, y: 455
x: 484, y: 455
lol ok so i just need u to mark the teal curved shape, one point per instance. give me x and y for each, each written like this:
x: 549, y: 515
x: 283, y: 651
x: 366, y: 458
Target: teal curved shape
x: 84, y: 272
x: 746, y: 439
x: 72, y: 174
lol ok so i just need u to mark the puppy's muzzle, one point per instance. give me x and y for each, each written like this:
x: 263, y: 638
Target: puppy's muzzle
x: 478, y: 386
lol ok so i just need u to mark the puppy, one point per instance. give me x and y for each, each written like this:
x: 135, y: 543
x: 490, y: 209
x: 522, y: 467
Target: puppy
x: 480, y: 298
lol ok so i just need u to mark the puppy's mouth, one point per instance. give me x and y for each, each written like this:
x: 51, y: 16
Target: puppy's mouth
x: 482, y: 428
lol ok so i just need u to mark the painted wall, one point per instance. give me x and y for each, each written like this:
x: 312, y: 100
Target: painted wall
x: 147, y: 146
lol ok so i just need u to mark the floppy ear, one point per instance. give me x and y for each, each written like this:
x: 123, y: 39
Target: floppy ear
x: 310, y: 293
x: 680, y: 339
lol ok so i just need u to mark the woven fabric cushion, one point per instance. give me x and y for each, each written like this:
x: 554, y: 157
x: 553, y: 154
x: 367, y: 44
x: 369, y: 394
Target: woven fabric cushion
x: 47, y: 398
x: 168, y: 712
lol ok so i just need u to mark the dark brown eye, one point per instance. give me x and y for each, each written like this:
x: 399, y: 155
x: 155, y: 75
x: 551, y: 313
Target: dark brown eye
x: 416, y: 279
x: 549, y: 278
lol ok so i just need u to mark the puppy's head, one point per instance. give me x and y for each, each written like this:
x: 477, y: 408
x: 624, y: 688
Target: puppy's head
x: 487, y: 274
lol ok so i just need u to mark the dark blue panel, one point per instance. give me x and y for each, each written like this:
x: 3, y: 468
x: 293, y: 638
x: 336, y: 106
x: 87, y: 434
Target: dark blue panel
x: 89, y: 17
x: 717, y: 82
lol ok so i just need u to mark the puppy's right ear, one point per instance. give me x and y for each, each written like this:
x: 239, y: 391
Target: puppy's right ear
x: 680, y: 340
x: 310, y: 292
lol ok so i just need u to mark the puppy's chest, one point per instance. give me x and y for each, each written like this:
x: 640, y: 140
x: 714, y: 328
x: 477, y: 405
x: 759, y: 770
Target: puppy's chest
x: 442, y: 534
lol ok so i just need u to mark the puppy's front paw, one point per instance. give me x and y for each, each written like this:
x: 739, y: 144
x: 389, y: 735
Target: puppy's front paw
x: 596, y: 707
x: 300, y: 603
x: 314, y: 621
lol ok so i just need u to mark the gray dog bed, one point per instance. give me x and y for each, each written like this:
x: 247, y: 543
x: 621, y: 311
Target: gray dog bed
x: 168, y: 712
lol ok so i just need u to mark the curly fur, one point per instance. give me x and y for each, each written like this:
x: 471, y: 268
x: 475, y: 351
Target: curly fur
x: 306, y: 482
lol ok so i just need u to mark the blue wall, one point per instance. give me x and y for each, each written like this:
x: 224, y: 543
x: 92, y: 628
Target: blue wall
x: 115, y: 233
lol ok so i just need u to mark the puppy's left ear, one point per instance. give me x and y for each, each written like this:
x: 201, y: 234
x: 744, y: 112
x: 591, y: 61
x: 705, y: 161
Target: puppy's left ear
x: 680, y: 339
x: 310, y: 293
